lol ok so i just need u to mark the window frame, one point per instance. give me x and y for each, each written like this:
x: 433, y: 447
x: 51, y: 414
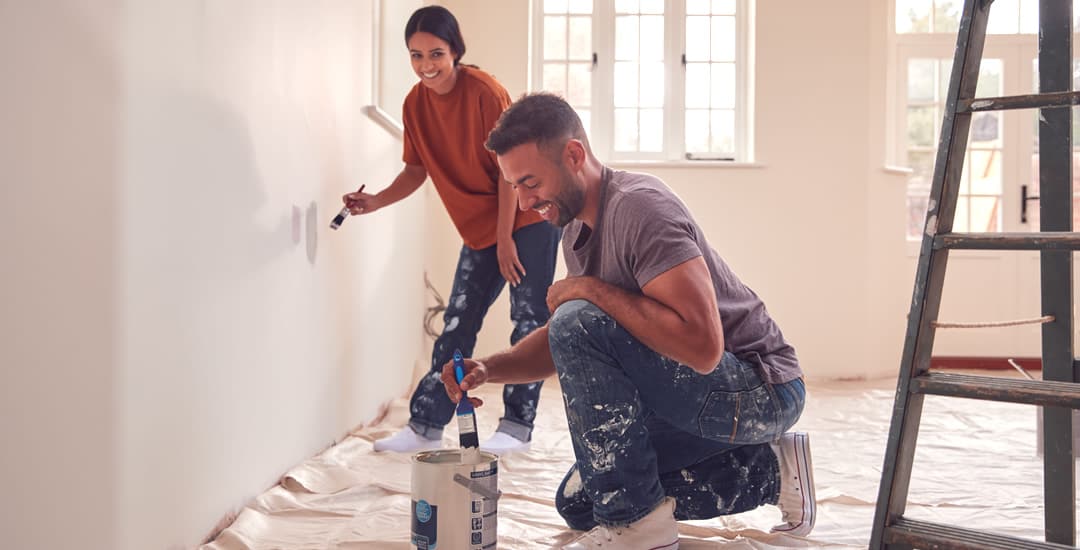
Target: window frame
x: 602, y: 109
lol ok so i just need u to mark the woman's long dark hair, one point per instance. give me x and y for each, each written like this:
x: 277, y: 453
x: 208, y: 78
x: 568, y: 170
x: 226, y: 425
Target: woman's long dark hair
x: 438, y: 21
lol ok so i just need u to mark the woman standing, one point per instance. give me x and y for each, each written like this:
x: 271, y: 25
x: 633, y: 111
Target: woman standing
x: 447, y: 117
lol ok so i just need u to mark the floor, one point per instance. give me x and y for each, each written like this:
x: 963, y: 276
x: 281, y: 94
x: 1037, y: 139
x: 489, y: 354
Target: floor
x: 976, y: 466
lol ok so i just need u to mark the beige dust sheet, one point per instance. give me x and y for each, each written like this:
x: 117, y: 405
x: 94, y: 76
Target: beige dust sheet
x: 976, y: 466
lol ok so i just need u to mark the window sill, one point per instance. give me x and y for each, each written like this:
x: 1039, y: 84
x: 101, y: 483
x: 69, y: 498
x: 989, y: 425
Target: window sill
x: 712, y: 164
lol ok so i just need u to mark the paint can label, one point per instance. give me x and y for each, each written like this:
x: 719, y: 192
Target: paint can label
x: 425, y: 525
x: 484, y: 511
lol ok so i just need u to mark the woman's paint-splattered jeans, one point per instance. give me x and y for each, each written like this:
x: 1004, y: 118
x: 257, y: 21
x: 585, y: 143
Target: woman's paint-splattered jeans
x: 643, y: 426
x: 477, y: 283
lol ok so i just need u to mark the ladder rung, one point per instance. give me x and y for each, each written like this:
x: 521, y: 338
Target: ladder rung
x: 1011, y: 390
x: 1047, y: 240
x: 924, y: 534
x: 1031, y: 101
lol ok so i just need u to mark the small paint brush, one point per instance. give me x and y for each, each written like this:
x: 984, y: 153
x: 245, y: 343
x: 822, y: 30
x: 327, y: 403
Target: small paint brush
x: 467, y: 435
x: 344, y: 213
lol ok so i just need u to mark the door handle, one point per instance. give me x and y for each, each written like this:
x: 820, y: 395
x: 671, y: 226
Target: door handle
x: 1024, y: 198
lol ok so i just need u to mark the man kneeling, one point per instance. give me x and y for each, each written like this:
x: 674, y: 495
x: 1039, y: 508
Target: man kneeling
x: 679, y: 387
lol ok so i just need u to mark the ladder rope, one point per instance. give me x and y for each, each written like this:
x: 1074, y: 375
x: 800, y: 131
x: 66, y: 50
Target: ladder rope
x: 986, y: 324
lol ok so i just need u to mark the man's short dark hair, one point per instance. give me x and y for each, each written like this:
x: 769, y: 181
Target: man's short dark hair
x: 542, y: 118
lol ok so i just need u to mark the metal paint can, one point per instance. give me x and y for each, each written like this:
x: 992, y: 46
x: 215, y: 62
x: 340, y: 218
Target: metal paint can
x: 454, y: 505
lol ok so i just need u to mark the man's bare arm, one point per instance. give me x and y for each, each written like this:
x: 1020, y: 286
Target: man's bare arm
x: 676, y: 316
x: 527, y: 361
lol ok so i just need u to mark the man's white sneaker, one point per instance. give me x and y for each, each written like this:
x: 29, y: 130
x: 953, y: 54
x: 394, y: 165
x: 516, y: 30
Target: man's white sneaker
x: 797, y: 503
x: 656, y: 531
x: 407, y: 441
x: 500, y: 443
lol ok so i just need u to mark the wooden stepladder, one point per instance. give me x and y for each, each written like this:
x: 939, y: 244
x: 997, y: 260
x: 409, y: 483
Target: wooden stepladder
x: 1059, y: 391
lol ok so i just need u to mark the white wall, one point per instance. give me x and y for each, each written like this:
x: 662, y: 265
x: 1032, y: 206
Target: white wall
x: 180, y: 325
x: 818, y: 230
x: 60, y: 106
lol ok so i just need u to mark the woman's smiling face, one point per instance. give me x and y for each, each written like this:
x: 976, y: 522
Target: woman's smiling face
x: 433, y: 61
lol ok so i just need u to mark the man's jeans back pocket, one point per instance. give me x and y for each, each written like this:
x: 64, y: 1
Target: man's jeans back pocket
x: 743, y: 417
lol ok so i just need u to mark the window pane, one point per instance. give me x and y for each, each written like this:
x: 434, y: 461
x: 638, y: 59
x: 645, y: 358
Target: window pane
x: 920, y: 125
x: 916, y: 208
x: 944, y: 74
x: 984, y: 214
x: 580, y: 38
x: 1029, y: 16
x: 626, y: 130
x: 965, y: 176
x: 723, y: 85
x: 697, y: 7
x: 555, y: 77
x: 652, y: 130
x: 652, y: 38
x: 986, y: 129
x: 554, y: 6
x: 723, y: 39
x: 652, y: 85
x: 723, y: 131
x: 922, y: 172
x: 913, y: 15
x: 626, y: 38
x: 960, y: 222
x: 626, y: 6
x: 581, y: 6
x: 989, y: 84
x: 697, y: 39
x: 554, y: 37
x: 626, y: 84
x: 697, y: 131
x: 723, y: 7
x: 1004, y: 17
x: 921, y: 80
x: 586, y: 121
x: 986, y: 172
x: 652, y: 6
x: 947, y: 15
x: 579, y: 85
x: 697, y: 85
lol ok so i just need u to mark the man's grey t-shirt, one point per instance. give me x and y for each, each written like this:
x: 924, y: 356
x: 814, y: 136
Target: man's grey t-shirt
x: 643, y: 229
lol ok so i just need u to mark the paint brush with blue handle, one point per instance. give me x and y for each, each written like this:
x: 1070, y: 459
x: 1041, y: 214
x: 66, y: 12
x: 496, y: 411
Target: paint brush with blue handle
x: 467, y: 435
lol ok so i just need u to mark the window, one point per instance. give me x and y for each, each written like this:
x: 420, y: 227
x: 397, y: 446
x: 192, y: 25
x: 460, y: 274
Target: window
x: 1001, y: 152
x: 651, y: 80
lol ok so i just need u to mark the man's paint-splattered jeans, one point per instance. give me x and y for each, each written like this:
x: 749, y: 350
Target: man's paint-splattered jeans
x: 643, y: 426
x: 477, y: 283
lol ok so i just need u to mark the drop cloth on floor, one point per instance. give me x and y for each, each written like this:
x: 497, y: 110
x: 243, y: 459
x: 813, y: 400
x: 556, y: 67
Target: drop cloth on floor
x: 976, y: 466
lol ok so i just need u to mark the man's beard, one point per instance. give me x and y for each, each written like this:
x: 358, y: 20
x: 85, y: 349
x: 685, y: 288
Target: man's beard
x: 570, y: 200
